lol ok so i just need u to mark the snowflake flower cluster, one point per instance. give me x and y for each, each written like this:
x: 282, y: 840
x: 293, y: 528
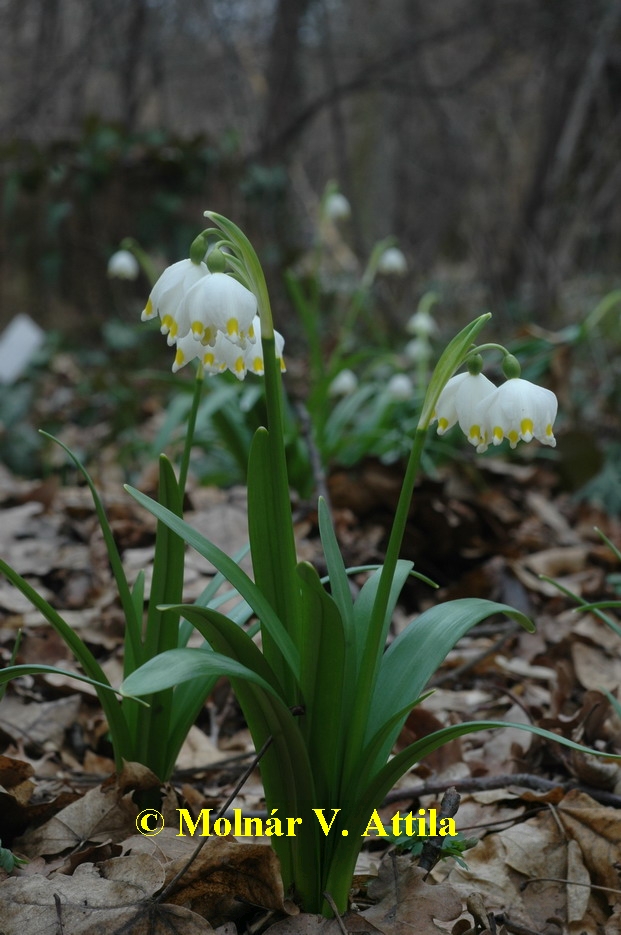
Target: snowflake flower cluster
x: 210, y: 316
x: 487, y: 414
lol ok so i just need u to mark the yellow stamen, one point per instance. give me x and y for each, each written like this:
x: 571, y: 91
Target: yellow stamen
x: 197, y: 328
x: 442, y: 424
x: 527, y: 428
x: 474, y: 433
x: 239, y: 365
x: 513, y: 437
x: 498, y: 434
x: 209, y: 359
x: 149, y: 311
x: 549, y: 432
x: 232, y: 327
x: 179, y: 358
x: 167, y: 321
x: 257, y: 365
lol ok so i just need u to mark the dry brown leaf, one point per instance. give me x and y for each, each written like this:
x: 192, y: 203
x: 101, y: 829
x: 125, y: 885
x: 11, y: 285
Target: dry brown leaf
x: 38, y: 724
x: 578, y: 841
x: 598, y: 832
x: 226, y: 875
x: 596, y: 668
x: 97, y: 817
x: 408, y: 903
x: 115, y: 896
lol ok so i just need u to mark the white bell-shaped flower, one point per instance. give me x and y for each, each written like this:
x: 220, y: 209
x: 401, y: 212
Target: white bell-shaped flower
x: 167, y: 295
x: 187, y: 350
x: 422, y: 325
x: 253, y: 353
x: 400, y: 387
x: 218, y: 303
x: 392, y: 262
x: 123, y: 265
x: 336, y: 207
x: 518, y: 410
x: 344, y: 383
x: 458, y: 402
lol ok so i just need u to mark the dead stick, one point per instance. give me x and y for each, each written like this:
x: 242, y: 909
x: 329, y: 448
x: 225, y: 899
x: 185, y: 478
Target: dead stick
x: 484, y: 783
x: 168, y: 889
x: 432, y: 847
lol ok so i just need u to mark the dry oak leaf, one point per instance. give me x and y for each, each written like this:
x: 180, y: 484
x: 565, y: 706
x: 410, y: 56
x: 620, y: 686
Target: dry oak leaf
x: 226, y: 877
x: 99, y: 816
x: 408, y: 903
x: 578, y: 841
x: 113, y: 898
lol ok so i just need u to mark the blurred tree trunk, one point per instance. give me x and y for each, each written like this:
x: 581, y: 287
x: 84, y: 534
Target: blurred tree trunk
x: 284, y: 84
x: 539, y: 239
x: 130, y: 69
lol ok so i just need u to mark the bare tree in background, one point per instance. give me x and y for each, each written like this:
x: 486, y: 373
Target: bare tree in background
x: 483, y: 134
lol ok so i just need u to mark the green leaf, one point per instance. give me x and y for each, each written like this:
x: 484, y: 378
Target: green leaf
x: 175, y: 666
x: 233, y: 574
x: 420, y: 649
x: 133, y: 625
x: 339, y: 582
x: 162, y: 631
x: 118, y: 727
x: 365, y: 602
x: 226, y: 638
x: 273, y: 549
x: 327, y: 694
x: 359, y: 808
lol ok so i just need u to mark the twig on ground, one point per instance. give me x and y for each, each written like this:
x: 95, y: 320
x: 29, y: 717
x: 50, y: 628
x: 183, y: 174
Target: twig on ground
x: 432, y: 847
x: 247, y: 772
x: 484, y: 783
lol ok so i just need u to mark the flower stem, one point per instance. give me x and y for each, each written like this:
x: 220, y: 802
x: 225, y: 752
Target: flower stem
x: 189, y: 434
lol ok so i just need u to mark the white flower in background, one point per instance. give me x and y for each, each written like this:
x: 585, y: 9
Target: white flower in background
x: 421, y: 324
x: 518, y: 410
x: 392, y: 262
x: 459, y: 401
x: 336, y: 207
x: 344, y: 383
x: 399, y: 387
x: 418, y: 350
x: 218, y: 303
x: 123, y: 265
x: 167, y: 295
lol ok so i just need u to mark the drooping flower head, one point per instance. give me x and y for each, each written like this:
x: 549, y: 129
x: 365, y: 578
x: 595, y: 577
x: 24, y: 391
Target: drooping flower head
x: 518, y: 410
x: 209, y: 304
x: 167, y: 295
x: 218, y: 303
x: 123, y: 265
x: 392, y: 262
x: 458, y: 402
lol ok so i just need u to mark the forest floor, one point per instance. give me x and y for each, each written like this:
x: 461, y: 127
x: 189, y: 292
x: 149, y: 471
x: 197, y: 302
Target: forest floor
x: 547, y: 820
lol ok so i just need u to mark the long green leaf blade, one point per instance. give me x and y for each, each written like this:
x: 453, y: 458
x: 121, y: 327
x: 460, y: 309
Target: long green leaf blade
x: 232, y: 572
x: 421, y: 647
x: 133, y: 625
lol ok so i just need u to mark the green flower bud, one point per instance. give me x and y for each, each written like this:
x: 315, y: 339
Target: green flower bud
x: 216, y: 261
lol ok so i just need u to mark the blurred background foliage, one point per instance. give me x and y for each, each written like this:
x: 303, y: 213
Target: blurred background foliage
x: 482, y: 136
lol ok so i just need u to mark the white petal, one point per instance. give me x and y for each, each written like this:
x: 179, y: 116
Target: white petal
x: 520, y: 410
x: 167, y: 295
x: 219, y: 303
